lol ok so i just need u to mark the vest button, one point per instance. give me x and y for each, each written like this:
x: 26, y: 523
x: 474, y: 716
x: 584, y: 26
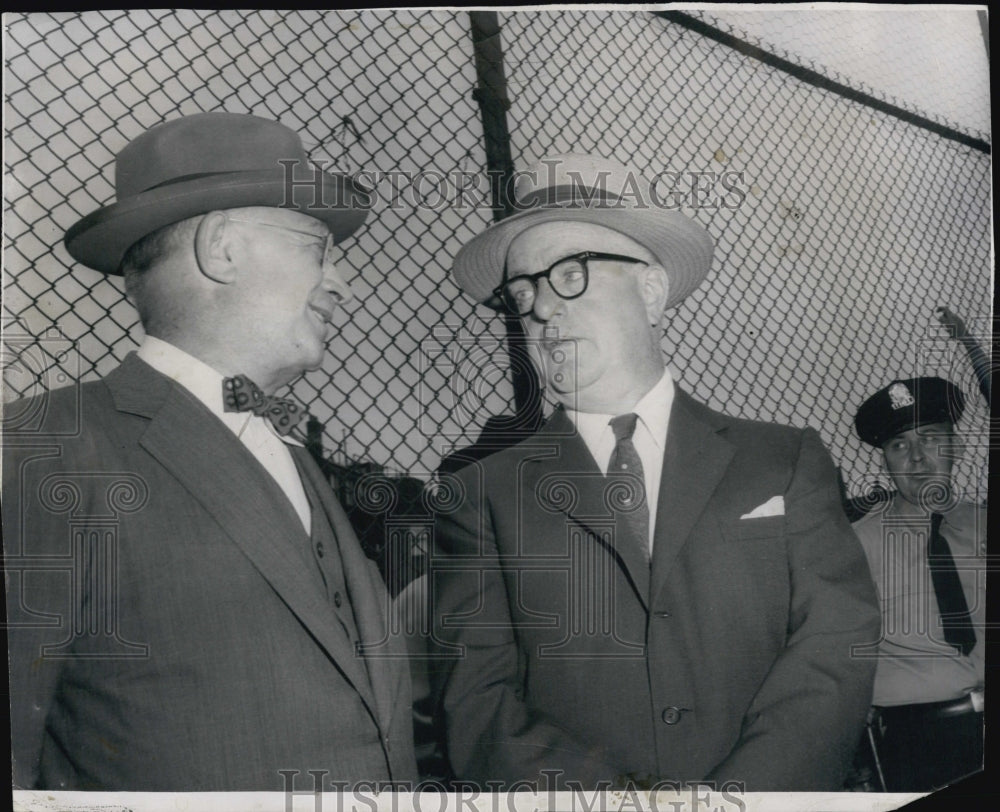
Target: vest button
x: 319, y: 549
x: 337, y: 600
x: 671, y: 715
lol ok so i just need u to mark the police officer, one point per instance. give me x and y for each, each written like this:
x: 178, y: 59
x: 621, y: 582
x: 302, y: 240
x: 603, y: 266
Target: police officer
x: 927, y: 553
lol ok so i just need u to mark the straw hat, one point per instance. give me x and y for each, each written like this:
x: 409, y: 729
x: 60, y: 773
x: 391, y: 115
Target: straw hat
x: 590, y: 189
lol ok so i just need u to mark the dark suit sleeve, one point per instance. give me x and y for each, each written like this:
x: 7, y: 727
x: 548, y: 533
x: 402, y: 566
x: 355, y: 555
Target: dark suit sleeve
x: 492, y: 734
x: 36, y: 542
x: 806, y: 720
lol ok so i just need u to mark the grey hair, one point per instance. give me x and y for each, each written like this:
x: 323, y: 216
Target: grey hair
x: 145, y: 254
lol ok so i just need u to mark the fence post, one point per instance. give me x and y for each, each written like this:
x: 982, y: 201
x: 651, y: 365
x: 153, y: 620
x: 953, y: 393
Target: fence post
x: 491, y: 95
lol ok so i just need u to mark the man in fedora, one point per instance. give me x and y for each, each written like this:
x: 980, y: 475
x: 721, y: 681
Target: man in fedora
x: 927, y: 553
x: 189, y: 607
x: 646, y: 590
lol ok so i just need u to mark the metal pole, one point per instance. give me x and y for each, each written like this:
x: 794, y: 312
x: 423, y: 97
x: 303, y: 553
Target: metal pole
x: 491, y: 95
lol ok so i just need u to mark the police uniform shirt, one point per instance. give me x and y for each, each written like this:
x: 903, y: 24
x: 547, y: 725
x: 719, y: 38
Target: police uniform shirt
x: 915, y: 664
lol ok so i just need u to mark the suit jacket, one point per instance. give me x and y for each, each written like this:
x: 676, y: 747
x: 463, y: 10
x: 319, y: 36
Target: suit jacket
x: 166, y: 630
x: 728, y: 659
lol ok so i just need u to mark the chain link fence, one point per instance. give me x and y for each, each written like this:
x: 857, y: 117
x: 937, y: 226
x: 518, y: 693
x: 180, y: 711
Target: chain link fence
x: 852, y: 227
x: 839, y: 227
x: 380, y: 91
x: 906, y: 57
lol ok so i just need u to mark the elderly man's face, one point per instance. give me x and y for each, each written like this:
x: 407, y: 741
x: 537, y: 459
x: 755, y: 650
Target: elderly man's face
x: 601, y: 341
x: 289, y: 289
x: 920, y: 461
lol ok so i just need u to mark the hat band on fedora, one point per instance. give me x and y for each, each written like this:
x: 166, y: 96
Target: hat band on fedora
x: 182, y: 179
x: 198, y: 175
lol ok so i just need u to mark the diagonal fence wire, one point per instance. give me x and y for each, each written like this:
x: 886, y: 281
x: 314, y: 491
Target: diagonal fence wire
x: 838, y: 227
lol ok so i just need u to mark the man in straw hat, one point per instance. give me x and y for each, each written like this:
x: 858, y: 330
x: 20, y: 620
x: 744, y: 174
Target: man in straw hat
x: 197, y: 608
x: 927, y: 552
x: 645, y: 590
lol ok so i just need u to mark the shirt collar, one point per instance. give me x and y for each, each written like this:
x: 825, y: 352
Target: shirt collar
x: 653, y: 409
x: 201, y: 380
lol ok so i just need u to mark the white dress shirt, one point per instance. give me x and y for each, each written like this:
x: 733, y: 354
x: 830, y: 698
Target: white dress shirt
x: 268, y: 447
x: 650, y: 438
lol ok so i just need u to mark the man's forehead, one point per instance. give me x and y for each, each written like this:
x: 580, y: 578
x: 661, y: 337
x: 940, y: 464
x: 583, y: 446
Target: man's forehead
x: 547, y: 242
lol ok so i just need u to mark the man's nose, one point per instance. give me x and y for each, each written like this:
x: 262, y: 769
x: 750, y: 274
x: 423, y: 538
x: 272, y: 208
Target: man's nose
x: 547, y: 301
x: 336, y: 284
x: 916, y: 451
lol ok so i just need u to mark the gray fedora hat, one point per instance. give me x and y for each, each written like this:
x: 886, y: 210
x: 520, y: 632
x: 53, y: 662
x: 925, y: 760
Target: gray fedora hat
x: 589, y: 189
x: 207, y: 161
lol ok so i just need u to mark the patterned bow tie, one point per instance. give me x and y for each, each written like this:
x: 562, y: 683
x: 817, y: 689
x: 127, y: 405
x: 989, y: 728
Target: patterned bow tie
x: 240, y: 394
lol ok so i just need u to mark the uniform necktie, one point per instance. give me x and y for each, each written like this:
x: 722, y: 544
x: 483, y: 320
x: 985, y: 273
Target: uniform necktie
x: 954, y: 610
x: 240, y: 394
x: 625, y: 459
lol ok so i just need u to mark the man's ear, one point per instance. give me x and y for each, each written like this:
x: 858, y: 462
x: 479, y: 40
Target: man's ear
x: 213, y: 247
x: 654, y: 287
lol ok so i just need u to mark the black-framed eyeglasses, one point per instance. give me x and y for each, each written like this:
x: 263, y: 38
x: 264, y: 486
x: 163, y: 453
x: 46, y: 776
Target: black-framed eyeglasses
x: 568, y: 277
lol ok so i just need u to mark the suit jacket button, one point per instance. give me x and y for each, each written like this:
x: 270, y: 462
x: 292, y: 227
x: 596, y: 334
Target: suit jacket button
x: 319, y: 548
x: 337, y: 600
x: 671, y: 715
x: 661, y: 613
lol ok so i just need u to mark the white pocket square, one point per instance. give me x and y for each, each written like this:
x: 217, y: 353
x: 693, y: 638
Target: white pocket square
x: 775, y: 506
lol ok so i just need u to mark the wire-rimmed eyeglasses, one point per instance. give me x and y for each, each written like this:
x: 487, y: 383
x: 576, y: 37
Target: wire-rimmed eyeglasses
x: 302, y: 237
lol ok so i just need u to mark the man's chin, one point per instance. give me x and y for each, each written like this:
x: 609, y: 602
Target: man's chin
x: 309, y: 363
x: 314, y: 364
x: 933, y: 494
x: 316, y: 354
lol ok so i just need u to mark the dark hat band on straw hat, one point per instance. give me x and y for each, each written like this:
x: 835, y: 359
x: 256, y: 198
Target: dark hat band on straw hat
x: 588, y: 189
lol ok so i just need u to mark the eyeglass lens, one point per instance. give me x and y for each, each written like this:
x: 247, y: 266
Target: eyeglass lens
x: 568, y: 280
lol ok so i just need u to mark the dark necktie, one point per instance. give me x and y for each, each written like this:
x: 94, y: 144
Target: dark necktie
x: 954, y: 610
x: 625, y: 459
x: 240, y: 394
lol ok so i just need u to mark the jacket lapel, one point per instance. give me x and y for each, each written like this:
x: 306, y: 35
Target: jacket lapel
x: 219, y: 473
x: 567, y: 482
x: 694, y: 461
x: 369, y: 600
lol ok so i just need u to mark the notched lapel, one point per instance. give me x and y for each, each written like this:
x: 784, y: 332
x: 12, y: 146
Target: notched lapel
x: 694, y: 462
x: 563, y: 481
x: 218, y: 472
